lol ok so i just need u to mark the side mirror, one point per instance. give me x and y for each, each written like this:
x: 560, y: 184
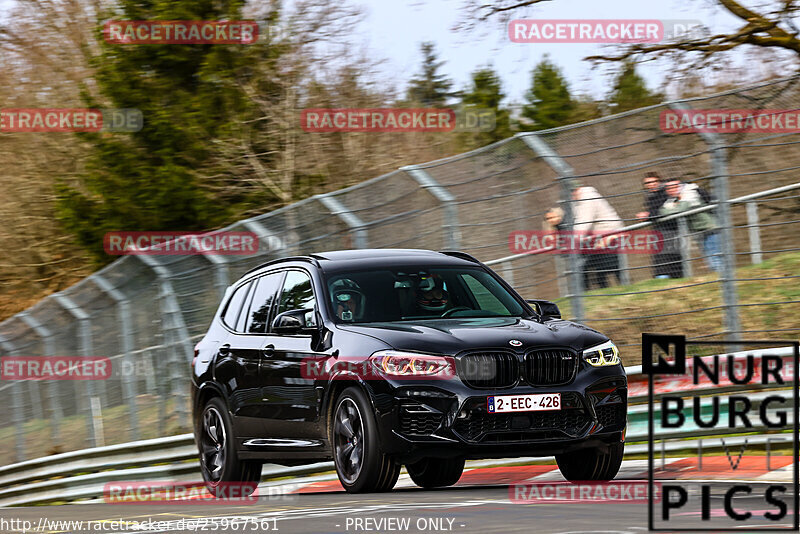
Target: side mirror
x: 545, y: 308
x: 292, y: 322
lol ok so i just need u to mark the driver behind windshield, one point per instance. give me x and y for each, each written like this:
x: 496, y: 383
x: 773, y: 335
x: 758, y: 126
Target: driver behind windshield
x: 432, y: 295
x: 348, y: 300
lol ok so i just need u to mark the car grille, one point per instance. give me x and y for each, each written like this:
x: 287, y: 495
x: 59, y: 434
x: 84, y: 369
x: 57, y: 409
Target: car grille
x: 611, y: 415
x: 488, y: 370
x: 550, y: 367
x: 419, y: 424
x: 481, y: 426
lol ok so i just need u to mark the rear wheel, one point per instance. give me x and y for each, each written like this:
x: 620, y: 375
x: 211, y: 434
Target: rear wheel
x: 224, y: 474
x: 361, y: 465
x: 436, y: 472
x: 591, y: 464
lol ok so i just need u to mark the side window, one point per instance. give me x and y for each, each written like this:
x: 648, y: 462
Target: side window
x: 245, y: 308
x: 297, y: 294
x: 258, y: 318
x: 234, y: 306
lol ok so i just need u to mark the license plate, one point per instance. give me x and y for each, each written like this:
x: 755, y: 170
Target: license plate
x: 524, y: 403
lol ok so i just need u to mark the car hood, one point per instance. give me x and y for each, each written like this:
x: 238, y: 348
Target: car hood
x: 451, y: 336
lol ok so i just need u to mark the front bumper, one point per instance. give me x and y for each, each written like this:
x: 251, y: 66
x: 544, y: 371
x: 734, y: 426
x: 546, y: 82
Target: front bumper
x: 446, y: 418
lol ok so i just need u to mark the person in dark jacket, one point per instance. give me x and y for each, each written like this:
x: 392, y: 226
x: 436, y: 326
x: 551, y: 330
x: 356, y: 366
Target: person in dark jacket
x: 667, y: 263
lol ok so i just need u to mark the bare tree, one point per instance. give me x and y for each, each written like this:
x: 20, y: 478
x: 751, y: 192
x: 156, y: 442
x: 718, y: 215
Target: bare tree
x: 770, y: 26
x: 44, y: 62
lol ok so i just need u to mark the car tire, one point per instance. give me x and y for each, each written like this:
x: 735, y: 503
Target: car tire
x: 597, y: 464
x: 436, y: 472
x: 222, y: 470
x: 361, y: 465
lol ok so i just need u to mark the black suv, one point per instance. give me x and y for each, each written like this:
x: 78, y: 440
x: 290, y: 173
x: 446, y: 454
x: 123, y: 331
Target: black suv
x: 382, y: 358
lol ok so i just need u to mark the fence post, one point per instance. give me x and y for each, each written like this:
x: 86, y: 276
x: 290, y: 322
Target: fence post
x: 220, y: 272
x: 754, y: 231
x: 685, y: 244
x: 624, y: 270
x: 176, y: 335
x: 16, y: 406
x: 508, y: 272
x: 565, y: 177
x: 49, y: 348
x: 563, y: 289
x: 357, y: 227
x: 85, y: 328
x: 150, y: 382
x: 273, y: 242
x: 445, y: 198
x: 37, y: 409
x: 126, y: 335
x: 727, y: 275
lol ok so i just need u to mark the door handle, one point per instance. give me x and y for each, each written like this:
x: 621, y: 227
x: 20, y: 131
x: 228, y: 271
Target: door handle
x: 225, y: 349
x: 268, y: 351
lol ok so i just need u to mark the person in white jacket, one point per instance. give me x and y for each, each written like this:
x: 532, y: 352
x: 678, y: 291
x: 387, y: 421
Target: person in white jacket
x: 592, y: 214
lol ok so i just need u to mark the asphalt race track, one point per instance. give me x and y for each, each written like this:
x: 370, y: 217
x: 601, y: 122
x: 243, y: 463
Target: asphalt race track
x: 471, y: 509
x: 478, y: 509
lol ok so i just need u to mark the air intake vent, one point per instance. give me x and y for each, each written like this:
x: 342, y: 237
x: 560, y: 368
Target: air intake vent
x: 488, y: 370
x: 550, y: 367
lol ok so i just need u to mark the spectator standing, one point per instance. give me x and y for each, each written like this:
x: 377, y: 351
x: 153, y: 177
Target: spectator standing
x: 682, y: 197
x: 594, y: 215
x: 667, y: 263
x: 554, y: 219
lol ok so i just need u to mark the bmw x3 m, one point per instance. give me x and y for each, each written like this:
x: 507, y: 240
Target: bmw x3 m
x: 379, y: 359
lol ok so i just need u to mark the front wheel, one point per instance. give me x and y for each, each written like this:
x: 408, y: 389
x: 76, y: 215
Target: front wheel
x: 435, y: 472
x: 599, y: 464
x: 223, y: 473
x: 361, y: 465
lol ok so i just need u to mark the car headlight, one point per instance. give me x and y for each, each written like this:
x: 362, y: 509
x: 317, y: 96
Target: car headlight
x: 398, y: 363
x: 601, y: 355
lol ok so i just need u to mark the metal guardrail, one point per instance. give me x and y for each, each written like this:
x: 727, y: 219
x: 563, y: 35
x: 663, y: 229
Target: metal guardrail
x: 81, y: 475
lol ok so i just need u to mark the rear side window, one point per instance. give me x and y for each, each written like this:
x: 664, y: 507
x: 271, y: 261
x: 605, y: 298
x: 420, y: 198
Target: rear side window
x: 245, y: 308
x: 234, y: 306
x: 263, y: 297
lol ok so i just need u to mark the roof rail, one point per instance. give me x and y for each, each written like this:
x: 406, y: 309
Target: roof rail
x: 459, y: 254
x: 307, y: 259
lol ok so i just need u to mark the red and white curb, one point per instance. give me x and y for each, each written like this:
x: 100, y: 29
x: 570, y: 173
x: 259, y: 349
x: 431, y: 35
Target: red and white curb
x: 488, y: 473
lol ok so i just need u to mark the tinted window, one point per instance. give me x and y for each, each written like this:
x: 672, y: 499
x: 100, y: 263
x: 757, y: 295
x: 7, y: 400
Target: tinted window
x: 297, y: 294
x: 240, y: 324
x: 262, y: 301
x: 418, y: 292
x: 483, y: 296
x: 234, y: 306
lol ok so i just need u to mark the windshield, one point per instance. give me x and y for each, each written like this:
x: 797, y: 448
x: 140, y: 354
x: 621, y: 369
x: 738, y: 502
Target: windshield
x: 414, y: 293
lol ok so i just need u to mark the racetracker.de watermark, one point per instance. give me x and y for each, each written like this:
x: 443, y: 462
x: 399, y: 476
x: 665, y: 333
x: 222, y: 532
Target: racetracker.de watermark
x: 180, y: 243
x: 573, y: 242
x: 181, y: 31
x: 55, y: 368
x: 171, y: 492
x: 624, y: 31
x: 324, y: 120
x: 633, y: 491
x: 585, y: 31
x: 405, y: 366
x: 70, y: 120
x: 729, y: 120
